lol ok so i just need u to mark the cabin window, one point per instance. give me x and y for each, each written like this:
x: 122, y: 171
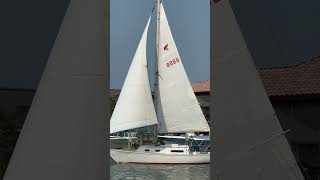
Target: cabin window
x: 157, y: 150
x: 146, y: 150
x: 177, y: 151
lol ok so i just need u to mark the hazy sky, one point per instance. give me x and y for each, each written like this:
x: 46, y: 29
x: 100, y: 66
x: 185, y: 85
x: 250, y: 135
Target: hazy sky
x: 277, y: 33
x: 189, y: 21
x: 280, y: 32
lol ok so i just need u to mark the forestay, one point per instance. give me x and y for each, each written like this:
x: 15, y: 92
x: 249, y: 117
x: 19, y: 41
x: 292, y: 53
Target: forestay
x: 135, y: 107
x: 178, y: 110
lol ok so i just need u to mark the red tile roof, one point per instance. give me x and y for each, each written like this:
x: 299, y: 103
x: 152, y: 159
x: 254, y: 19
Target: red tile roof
x: 202, y: 86
x: 298, y: 79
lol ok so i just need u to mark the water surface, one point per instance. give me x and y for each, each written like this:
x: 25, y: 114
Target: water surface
x: 158, y: 172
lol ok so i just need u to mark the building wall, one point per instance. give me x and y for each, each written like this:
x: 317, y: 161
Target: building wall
x: 14, y: 106
x: 302, y: 117
x: 204, y: 101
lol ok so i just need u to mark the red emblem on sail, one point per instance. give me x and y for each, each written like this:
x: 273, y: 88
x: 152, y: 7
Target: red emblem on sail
x: 165, y: 48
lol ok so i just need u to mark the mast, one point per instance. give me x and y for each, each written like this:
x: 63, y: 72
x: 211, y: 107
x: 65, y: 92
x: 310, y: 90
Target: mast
x: 190, y: 117
x: 156, y: 67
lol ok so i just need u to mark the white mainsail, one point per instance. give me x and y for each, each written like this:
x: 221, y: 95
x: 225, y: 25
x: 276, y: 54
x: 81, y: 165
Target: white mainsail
x: 178, y: 110
x: 135, y: 107
x: 249, y: 142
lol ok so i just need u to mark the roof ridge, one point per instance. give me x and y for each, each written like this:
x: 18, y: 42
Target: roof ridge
x: 200, y: 81
x: 17, y: 89
x: 313, y: 58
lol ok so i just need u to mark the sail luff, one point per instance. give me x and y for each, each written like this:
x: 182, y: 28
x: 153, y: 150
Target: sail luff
x: 134, y: 108
x: 178, y: 110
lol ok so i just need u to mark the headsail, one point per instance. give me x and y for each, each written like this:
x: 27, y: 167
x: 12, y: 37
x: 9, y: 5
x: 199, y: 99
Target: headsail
x: 135, y: 107
x: 177, y: 107
x: 249, y: 142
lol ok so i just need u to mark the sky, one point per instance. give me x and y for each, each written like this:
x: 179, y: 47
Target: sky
x: 189, y: 21
x: 277, y: 33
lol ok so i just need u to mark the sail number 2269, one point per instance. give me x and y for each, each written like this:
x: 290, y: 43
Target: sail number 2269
x: 172, y: 62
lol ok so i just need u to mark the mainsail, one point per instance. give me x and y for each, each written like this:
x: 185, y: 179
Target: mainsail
x: 178, y: 110
x: 135, y: 107
x: 249, y: 142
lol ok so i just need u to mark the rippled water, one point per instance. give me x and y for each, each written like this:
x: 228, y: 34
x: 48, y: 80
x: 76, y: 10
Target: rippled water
x: 159, y: 172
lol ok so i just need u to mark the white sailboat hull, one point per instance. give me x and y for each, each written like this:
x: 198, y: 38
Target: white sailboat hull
x: 162, y: 157
x: 125, y: 156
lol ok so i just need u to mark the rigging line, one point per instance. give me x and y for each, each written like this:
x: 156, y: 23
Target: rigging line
x: 154, y: 5
x: 270, y: 139
x: 211, y: 2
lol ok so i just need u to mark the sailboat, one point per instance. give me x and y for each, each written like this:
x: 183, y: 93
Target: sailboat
x: 175, y: 110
